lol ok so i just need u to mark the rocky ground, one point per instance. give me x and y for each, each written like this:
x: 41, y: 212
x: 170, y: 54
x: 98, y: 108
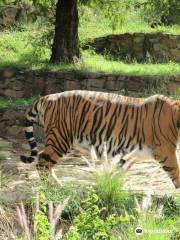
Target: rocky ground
x: 17, y: 177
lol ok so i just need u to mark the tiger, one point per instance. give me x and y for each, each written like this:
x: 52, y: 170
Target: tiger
x: 126, y: 124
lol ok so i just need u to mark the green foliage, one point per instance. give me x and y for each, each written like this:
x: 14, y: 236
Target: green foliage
x: 114, y: 10
x: 42, y: 40
x: 18, y: 102
x: 161, y: 11
x: 111, y: 195
x: 176, y: 234
x: 89, y: 224
x: 42, y: 223
x: 44, y: 3
x: 2, y: 157
x: 171, y: 206
x: 57, y: 193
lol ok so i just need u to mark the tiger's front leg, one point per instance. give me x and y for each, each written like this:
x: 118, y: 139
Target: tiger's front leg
x: 169, y: 162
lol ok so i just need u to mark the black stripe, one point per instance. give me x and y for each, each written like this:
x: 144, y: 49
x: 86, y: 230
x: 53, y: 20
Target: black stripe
x: 97, y: 125
x: 30, y: 114
x: 136, y: 122
x: 35, y: 106
x: 29, y: 135
x: 83, y: 114
x: 108, y: 106
x: 168, y: 169
x: 132, y: 148
x: 83, y: 130
x: 54, y: 135
x: 28, y: 123
x: 112, y: 123
x: 100, y: 134
x: 163, y: 161
x: 121, y: 146
x: 34, y: 153
x: 47, y: 158
x: 110, y: 146
x: 125, y: 112
x: 132, y: 112
x: 33, y: 144
x: 128, y: 143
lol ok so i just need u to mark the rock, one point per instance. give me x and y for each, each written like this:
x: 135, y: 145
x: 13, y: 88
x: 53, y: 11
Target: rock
x: 98, y: 83
x: 15, y: 131
x: 13, y: 114
x: 175, y: 54
x: 12, y: 93
x: 33, y: 176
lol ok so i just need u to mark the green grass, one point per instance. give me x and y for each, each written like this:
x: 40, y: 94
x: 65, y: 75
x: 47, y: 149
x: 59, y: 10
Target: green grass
x: 97, y: 62
x: 18, y: 47
x: 16, y: 52
x: 4, y: 103
x: 94, y: 25
x: 2, y: 157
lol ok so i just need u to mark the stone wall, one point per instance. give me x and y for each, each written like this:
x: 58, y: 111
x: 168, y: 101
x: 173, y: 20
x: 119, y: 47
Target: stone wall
x: 17, y: 84
x: 21, y: 12
x: 23, y: 84
x: 13, y: 13
x: 155, y: 47
x: 12, y: 124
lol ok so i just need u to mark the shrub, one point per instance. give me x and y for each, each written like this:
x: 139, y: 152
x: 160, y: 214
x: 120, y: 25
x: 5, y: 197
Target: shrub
x: 157, y: 12
x: 171, y: 206
x: 90, y: 224
x: 111, y: 195
x: 2, y: 157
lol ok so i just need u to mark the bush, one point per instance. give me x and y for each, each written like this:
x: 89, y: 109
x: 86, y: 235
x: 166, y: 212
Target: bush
x: 171, y: 206
x: 90, y: 224
x: 159, y: 12
x: 111, y: 195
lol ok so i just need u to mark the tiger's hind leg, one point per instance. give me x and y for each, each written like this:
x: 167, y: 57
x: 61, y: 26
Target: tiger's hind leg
x: 167, y: 158
x: 47, y: 159
x: 54, y: 149
x: 57, y: 143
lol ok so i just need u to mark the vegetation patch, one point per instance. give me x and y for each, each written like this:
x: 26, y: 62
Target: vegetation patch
x: 8, y: 103
x: 29, y: 45
x: 2, y: 157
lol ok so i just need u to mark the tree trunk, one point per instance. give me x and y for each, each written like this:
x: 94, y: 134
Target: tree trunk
x: 66, y: 41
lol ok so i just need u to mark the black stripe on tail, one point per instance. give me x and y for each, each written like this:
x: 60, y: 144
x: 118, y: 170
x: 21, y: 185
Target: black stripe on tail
x: 31, y: 140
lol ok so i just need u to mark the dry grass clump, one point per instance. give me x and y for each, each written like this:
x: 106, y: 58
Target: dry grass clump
x: 8, y: 230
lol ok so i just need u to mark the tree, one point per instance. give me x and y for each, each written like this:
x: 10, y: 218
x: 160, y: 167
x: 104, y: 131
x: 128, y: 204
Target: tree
x: 66, y: 41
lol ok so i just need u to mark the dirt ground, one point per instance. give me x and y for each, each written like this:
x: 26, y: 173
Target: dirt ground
x: 16, y: 177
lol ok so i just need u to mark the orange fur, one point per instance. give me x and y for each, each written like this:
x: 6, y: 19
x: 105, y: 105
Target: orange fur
x: 122, y: 122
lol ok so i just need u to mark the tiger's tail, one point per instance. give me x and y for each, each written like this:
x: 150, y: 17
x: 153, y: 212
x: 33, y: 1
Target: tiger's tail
x: 30, y: 119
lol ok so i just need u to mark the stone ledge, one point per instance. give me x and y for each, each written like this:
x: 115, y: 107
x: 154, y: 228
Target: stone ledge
x: 23, y: 84
x: 157, y: 47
